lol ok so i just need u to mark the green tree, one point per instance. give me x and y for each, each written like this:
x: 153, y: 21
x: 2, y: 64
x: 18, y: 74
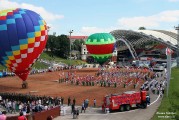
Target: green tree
x: 142, y: 28
x: 77, y: 45
x: 62, y: 46
x: 58, y: 45
x: 51, y: 44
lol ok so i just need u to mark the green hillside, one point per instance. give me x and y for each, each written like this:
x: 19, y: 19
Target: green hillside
x: 46, y: 56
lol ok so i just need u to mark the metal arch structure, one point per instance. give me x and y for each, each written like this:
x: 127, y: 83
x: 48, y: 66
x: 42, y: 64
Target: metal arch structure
x: 131, y: 49
x: 137, y: 39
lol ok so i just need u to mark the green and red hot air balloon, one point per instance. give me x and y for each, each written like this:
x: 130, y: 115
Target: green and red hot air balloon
x: 101, y: 46
x: 23, y: 36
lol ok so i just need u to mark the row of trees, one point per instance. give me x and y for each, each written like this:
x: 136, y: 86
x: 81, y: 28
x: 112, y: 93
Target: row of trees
x: 60, y: 45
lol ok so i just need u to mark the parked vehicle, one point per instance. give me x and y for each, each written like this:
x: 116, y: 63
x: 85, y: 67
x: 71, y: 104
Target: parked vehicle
x: 158, y: 67
x: 125, y: 101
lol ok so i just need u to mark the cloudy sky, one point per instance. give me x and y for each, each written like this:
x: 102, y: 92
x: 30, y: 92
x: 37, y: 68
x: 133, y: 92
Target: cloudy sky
x: 91, y: 16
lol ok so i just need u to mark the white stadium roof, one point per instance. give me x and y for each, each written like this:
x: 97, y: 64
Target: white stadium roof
x: 128, y: 39
x: 167, y: 36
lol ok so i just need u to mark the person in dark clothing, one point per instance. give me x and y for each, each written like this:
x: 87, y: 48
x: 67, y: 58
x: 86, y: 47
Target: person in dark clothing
x: 28, y: 108
x: 74, y: 101
x: 83, y: 107
x: 62, y: 99
x: 148, y: 99
x: 72, y: 108
x: 69, y: 101
x: 74, y: 114
x: 163, y: 90
x: 77, y: 113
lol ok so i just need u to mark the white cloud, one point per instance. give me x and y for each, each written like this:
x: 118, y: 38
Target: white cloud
x: 152, y: 21
x: 173, y: 0
x: 47, y: 16
x: 90, y: 30
x: 155, y: 21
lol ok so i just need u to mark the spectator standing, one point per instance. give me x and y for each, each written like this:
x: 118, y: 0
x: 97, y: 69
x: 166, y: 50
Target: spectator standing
x: 74, y: 101
x: 14, y: 106
x: 69, y: 101
x: 163, y: 90
x: 9, y: 106
x: 94, y: 102
x: 87, y: 103
x: 74, y: 114
x: 20, y: 106
x: 83, y: 107
x: 72, y: 108
x: 77, y: 113
x: 28, y: 108
x: 62, y: 99
x: 24, y: 109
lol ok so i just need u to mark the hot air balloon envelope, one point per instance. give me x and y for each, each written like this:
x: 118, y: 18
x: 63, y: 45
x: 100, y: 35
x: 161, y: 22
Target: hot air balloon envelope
x: 100, y: 46
x: 23, y: 36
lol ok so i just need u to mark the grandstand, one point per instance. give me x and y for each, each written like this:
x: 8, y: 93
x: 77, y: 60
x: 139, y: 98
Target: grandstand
x: 137, y: 43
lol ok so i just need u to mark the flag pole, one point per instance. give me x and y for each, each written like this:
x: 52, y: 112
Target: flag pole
x: 168, y: 53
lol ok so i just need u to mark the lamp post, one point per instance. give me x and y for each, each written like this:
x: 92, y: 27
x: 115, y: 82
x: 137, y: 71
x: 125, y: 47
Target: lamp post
x: 71, y: 31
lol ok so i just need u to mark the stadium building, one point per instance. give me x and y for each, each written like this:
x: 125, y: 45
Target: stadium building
x: 131, y: 45
x: 134, y: 44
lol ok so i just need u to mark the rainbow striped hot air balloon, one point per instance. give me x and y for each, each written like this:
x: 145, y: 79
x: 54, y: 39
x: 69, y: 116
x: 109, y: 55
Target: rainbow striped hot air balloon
x: 23, y: 36
x: 101, y: 46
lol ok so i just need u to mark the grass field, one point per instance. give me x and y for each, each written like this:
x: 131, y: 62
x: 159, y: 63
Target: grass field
x: 169, y: 108
x: 2, y: 67
x: 46, y: 55
x: 39, y: 65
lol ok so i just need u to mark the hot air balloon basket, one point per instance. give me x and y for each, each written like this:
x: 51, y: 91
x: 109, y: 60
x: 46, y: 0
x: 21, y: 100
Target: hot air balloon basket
x: 24, y: 85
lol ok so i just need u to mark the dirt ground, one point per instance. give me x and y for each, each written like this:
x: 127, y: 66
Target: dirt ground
x: 46, y: 84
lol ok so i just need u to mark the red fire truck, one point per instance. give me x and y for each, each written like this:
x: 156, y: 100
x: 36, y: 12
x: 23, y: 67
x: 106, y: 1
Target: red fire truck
x: 125, y: 101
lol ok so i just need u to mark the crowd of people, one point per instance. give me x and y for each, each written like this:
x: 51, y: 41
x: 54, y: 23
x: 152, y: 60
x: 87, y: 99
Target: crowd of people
x: 76, y: 110
x: 109, y: 77
x: 25, y: 103
x: 157, y: 84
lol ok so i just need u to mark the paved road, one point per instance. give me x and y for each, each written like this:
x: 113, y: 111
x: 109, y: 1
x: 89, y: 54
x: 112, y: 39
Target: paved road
x: 96, y: 113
